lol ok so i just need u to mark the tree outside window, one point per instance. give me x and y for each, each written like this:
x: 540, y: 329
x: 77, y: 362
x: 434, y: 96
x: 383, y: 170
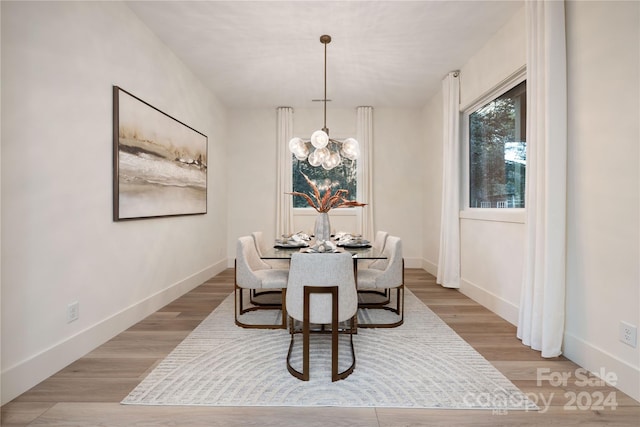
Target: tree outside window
x: 342, y: 176
x: 497, y: 151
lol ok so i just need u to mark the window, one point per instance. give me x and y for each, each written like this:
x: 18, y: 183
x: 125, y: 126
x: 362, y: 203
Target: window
x: 342, y: 176
x: 497, y: 151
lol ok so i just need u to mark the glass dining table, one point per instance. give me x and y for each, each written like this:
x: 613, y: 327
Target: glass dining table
x: 358, y: 252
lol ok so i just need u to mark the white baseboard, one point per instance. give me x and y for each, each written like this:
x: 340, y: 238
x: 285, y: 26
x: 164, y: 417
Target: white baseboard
x: 430, y: 267
x: 595, y: 360
x: 28, y: 373
x: 503, y: 308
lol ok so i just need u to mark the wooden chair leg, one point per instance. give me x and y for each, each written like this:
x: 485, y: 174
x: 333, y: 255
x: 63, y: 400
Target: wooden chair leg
x: 306, y: 333
x: 334, y: 336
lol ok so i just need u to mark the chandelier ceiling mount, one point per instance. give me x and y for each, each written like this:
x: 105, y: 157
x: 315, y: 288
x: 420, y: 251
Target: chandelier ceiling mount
x: 320, y: 150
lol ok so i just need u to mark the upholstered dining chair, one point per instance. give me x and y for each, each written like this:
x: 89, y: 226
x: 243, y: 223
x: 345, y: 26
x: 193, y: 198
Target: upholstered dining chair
x: 251, y: 273
x: 256, y: 296
x: 261, y: 246
x: 391, y: 277
x: 321, y: 290
x: 378, y: 243
x: 380, y: 239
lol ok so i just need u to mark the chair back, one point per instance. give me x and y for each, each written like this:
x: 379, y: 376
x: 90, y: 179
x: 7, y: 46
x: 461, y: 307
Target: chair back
x: 259, y: 242
x: 392, y: 273
x: 380, y: 240
x: 263, y: 249
x: 322, y: 269
x: 247, y: 261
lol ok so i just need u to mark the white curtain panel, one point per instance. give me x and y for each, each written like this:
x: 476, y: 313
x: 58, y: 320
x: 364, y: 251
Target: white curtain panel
x: 364, y: 135
x: 542, y: 313
x: 449, y: 256
x: 284, y: 208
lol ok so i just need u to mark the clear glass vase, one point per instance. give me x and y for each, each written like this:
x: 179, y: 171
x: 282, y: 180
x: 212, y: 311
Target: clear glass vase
x: 322, y: 228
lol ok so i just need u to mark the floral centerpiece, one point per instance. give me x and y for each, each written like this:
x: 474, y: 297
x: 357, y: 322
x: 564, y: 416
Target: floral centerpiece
x: 323, y: 204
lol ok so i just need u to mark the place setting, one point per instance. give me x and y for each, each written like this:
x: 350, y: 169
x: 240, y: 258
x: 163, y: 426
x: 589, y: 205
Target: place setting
x: 349, y: 240
x: 292, y: 241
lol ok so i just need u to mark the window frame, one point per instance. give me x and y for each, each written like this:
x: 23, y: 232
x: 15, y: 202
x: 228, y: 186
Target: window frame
x: 487, y: 214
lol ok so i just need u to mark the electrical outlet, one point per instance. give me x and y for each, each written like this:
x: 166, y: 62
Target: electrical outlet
x: 628, y: 334
x: 73, y: 311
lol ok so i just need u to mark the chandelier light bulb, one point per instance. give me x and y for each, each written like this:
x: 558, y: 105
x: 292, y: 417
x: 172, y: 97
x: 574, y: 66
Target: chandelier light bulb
x: 313, y: 159
x: 302, y: 156
x: 298, y: 147
x: 322, y: 154
x: 319, y: 139
x: 332, y: 161
x: 294, y: 143
x: 350, y: 149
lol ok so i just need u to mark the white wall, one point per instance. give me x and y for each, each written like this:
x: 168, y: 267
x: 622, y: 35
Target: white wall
x: 496, y: 60
x: 603, y: 214
x: 432, y: 182
x: 251, y: 161
x: 397, y: 171
x: 491, y: 246
x: 59, y: 243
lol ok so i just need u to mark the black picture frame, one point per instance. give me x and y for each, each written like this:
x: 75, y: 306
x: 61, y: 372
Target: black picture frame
x: 159, y: 163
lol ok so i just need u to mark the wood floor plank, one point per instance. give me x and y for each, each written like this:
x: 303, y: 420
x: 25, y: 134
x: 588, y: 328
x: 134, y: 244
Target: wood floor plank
x: 58, y: 389
x: 136, y: 344
x: 106, y: 367
x: 115, y: 415
x: 624, y: 417
x: 88, y: 391
x: 22, y: 413
x: 529, y: 370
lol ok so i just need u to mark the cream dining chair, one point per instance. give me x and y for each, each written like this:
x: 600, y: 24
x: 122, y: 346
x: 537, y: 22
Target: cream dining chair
x: 261, y: 246
x: 321, y: 290
x: 251, y: 273
x: 257, y: 297
x: 378, y: 243
x: 391, y: 277
x: 380, y: 264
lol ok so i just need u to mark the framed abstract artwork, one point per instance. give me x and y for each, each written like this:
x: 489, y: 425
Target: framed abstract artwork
x: 159, y: 163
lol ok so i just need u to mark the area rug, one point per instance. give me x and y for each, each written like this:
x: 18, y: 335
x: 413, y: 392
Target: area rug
x: 421, y: 364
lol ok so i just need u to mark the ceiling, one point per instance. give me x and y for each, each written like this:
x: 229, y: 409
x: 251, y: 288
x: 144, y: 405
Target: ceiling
x: 257, y: 54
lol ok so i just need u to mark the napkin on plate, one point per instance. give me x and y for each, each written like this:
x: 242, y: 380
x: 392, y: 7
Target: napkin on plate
x: 322, y: 246
x: 296, y: 239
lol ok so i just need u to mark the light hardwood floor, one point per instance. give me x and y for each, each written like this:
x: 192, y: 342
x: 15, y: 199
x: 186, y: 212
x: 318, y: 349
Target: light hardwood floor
x: 88, y: 392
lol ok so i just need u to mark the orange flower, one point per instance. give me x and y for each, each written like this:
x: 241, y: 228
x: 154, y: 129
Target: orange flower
x: 328, y: 201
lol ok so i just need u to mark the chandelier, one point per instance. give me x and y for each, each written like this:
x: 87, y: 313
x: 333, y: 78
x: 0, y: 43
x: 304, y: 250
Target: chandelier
x: 320, y: 149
